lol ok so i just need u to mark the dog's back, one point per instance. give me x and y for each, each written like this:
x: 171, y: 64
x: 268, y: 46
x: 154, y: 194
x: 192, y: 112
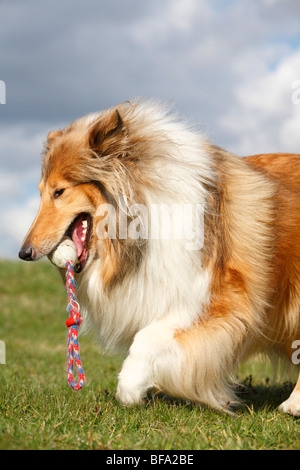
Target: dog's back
x: 284, y: 170
x: 284, y: 167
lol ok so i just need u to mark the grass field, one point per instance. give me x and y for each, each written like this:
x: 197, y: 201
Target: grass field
x: 38, y: 410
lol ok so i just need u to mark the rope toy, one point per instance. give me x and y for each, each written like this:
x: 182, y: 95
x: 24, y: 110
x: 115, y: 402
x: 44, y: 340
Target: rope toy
x: 65, y: 256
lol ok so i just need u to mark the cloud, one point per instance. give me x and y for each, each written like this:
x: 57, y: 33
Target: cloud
x: 14, y: 224
x: 262, y: 116
x: 20, y: 148
x: 21, y: 145
x: 227, y: 65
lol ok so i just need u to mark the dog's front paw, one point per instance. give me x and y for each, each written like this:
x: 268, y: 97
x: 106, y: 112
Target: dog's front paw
x: 129, y: 396
x: 292, y: 404
x: 134, y: 379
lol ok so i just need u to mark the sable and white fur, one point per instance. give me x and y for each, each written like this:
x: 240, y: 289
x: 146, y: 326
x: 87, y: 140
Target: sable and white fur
x: 185, y: 317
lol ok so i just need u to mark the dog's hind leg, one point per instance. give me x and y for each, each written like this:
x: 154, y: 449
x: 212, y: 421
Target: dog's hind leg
x: 292, y: 404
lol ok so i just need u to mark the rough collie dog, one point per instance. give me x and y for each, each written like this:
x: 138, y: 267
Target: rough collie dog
x: 186, y: 309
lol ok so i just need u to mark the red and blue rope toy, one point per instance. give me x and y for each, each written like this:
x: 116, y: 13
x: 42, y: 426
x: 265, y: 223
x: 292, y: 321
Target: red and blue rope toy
x: 73, y: 323
x: 64, y: 256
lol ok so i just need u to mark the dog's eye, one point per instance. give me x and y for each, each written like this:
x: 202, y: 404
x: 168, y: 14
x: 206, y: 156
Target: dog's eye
x: 58, y: 193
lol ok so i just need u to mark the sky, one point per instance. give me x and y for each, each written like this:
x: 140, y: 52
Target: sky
x: 232, y: 67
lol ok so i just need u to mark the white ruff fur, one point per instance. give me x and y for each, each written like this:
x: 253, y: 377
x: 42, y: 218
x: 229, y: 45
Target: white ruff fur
x: 168, y: 290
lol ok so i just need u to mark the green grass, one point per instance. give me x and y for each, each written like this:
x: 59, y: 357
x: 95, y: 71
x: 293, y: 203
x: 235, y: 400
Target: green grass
x: 38, y: 410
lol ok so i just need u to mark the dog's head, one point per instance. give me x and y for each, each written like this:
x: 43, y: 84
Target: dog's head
x: 81, y: 170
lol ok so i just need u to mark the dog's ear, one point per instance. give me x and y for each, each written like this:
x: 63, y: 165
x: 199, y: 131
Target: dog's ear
x: 51, y: 137
x: 53, y: 134
x: 107, y: 134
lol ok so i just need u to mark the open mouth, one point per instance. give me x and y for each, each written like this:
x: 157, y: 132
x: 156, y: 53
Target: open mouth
x: 80, y: 232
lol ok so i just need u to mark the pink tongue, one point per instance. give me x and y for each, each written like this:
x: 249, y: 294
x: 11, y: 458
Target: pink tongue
x: 76, y: 237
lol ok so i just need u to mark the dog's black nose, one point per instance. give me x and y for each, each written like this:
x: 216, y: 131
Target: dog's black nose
x: 26, y: 253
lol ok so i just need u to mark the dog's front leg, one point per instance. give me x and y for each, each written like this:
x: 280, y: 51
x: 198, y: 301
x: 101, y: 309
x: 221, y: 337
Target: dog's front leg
x: 192, y: 363
x: 138, y: 371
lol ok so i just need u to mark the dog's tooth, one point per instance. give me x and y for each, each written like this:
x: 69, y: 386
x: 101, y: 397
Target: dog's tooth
x: 83, y: 234
x: 84, y: 223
